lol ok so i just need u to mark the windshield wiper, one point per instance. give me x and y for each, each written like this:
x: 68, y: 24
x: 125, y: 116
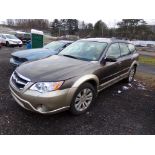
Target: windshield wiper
x: 70, y: 56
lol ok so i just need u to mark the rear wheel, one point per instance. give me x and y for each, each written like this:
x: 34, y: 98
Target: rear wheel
x: 83, y: 99
x: 131, y: 74
x: 7, y: 44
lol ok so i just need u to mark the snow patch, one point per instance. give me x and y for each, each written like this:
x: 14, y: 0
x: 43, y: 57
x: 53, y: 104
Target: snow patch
x: 125, y: 88
x: 140, y: 86
x: 37, y: 32
x: 119, y: 91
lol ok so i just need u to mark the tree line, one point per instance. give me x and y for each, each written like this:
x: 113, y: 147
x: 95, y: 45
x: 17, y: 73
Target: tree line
x: 126, y: 29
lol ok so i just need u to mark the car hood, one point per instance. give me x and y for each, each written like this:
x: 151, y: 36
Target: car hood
x: 56, y: 68
x: 14, y: 40
x: 34, y: 54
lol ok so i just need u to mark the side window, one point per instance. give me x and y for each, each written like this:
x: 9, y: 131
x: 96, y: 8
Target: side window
x: 66, y: 45
x: 124, y: 49
x: 114, y: 51
x: 131, y: 48
x: 3, y: 37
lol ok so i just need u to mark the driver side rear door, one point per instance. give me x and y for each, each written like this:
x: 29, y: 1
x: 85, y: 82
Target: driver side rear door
x: 110, y: 70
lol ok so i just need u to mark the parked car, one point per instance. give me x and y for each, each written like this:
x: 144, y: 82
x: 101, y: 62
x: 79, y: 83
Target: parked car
x: 19, y: 57
x: 72, y: 79
x: 0, y: 43
x: 10, y: 40
x: 23, y: 36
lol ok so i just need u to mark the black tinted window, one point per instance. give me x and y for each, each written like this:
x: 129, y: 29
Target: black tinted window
x: 124, y: 49
x: 114, y: 51
x: 66, y: 45
x: 131, y: 47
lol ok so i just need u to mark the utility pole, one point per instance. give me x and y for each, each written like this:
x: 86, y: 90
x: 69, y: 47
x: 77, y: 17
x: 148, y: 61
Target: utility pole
x: 102, y: 28
x: 59, y: 31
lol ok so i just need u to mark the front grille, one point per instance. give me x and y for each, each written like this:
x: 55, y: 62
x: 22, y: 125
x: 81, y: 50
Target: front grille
x: 19, y: 81
x: 17, y: 59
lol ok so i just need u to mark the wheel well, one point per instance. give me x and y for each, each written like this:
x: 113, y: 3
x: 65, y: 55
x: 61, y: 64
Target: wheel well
x: 135, y: 65
x: 93, y: 83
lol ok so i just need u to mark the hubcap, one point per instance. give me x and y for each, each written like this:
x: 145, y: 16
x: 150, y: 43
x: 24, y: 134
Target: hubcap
x: 131, y: 75
x: 83, y: 99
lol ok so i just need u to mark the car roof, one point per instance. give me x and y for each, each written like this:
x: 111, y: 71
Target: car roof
x: 107, y: 40
x: 6, y: 34
x: 66, y: 41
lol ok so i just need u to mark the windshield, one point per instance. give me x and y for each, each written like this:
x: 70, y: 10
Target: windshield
x: 55, y: 45
x: 85, y: 50
x: 11, y: 37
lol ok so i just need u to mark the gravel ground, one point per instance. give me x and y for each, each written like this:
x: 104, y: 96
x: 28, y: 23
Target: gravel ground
x: 120, y: 109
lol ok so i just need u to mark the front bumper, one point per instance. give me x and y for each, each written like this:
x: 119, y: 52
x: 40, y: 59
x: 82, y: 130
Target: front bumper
x: 14, y: 63
x: 16, y: 44
x: 46, y: 103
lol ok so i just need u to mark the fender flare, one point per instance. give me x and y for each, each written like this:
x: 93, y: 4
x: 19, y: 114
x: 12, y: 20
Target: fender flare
x: 79, y: 82
x: 134, y: 63
x: 86, y: 78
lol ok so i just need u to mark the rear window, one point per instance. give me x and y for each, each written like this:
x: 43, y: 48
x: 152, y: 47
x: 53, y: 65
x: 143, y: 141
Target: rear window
x: 124, y: 49
x: 131, y: 47
x: 114, y: 51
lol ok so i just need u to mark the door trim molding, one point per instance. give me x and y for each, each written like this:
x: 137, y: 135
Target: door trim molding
x: 113, y: 81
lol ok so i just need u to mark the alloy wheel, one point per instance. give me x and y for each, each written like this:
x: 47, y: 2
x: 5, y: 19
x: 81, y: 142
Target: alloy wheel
x: 83, y: 99
x: 131, y: 74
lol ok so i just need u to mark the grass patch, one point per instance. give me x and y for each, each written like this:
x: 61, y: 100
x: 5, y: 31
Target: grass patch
x: 149, y: 79
x: 147, y: 60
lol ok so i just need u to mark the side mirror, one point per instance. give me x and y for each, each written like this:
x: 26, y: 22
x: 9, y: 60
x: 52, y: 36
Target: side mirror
x: 108, y: 59
x: 61, y: 49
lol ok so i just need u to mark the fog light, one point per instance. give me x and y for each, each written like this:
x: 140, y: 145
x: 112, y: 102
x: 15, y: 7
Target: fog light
x: 41, y: 108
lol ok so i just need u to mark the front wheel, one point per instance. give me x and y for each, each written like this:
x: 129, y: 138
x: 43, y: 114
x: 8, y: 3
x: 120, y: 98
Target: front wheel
x: 83, y: 99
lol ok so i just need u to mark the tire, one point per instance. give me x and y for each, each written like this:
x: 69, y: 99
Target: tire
x: 131, y: 75
x: 83, y: 99
x: 7, y: 44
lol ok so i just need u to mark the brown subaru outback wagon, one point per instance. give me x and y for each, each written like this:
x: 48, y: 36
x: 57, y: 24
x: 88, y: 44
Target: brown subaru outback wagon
x: 72, y: 79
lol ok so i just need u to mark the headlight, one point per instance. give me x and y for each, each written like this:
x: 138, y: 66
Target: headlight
x: 44, y: 87
x: 11, y: 42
